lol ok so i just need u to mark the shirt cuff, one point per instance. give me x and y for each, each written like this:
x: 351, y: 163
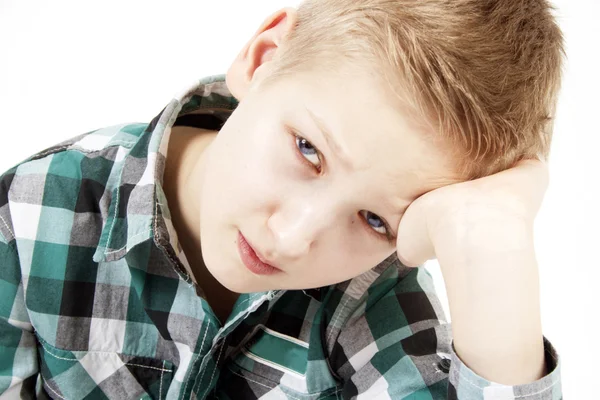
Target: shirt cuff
x: 465, y: 384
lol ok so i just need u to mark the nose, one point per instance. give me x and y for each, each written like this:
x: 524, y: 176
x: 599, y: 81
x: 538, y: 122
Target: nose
x: 297, y: 226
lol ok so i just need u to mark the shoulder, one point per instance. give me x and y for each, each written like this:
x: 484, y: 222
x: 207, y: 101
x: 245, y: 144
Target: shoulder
x: 88, y: 156
x: 69, y: 180
x: 398, y: 316
x: 391, y: 294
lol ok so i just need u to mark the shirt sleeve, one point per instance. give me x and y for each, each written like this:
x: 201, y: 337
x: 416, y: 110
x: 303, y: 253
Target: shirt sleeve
x: 464, y: 383
x: 18, y: 354
x: 401, y: 347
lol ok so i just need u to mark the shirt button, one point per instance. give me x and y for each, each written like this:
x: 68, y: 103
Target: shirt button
x: 444, y: 365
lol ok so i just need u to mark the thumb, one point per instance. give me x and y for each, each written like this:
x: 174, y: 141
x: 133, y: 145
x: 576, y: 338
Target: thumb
x: 413, y: 244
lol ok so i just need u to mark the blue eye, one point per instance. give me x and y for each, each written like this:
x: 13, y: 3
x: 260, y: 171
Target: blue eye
x: 374, y: 222
x: 308, y: 151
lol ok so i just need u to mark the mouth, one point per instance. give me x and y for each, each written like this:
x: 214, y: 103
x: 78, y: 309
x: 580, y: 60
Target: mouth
x: 252, y: 260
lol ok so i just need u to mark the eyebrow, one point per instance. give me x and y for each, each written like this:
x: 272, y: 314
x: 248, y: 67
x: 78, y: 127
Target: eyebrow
x: 337, y: 150
x: 330, y: 139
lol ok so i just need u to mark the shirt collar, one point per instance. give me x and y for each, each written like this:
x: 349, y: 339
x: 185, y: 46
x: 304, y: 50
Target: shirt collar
x: 138, y: 210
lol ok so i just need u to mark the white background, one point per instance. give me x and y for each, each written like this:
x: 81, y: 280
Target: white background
x: 68, y: 67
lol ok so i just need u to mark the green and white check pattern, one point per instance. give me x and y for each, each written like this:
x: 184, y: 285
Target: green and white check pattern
x: 96, y: 301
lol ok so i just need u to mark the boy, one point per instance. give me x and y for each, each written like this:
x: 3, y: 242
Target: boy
x: 245, y: 243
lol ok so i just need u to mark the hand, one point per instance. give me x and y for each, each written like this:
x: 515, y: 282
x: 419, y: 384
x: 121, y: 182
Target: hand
x: 445, y: 214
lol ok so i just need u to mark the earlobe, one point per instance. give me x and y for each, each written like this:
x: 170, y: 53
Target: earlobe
x: 261, y: 49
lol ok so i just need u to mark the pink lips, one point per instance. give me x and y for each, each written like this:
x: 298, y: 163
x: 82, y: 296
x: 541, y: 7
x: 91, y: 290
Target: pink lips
x: 251, y: 259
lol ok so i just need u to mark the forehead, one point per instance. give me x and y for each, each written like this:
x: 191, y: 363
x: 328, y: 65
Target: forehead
x: 376, y: 130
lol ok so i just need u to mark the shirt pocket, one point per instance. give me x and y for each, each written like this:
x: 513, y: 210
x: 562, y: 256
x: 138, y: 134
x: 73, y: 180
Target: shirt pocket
x: 271, y: 363
x: 96, y: 374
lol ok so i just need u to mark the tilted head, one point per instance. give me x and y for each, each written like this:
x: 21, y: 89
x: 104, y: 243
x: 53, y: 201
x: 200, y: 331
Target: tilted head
x: 350, y: 110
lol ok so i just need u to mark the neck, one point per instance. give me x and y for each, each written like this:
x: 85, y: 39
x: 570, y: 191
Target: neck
x: 187, y: 150
x: 184, y: 167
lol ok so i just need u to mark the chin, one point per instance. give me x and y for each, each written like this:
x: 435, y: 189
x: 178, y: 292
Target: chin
x: 243, y: 286
x: 235, y: 278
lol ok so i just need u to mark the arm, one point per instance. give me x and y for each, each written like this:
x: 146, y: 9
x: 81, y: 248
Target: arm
x: 401, y: 347
x: 498, y: 348
x: 18, y: 357
x: 494, y: 302
x: 481, y: 232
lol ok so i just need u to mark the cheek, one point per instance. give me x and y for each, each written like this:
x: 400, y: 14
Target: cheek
x: 245, y: 170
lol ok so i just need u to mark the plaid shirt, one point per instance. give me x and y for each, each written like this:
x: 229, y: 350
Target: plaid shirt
x: 96, y: 300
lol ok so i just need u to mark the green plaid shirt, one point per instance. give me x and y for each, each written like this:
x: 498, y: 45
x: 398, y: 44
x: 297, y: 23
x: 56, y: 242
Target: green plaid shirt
x: 96, y: 300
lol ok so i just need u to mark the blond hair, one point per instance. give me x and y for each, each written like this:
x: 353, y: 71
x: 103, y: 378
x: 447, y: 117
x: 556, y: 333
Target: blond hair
x: 484, y: 73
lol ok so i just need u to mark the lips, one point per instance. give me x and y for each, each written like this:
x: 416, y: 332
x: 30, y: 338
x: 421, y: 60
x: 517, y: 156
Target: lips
x: 252, y: 260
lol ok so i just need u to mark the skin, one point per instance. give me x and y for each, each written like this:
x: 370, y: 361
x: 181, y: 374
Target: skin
x: 306, y: 211
x: 481, y: 232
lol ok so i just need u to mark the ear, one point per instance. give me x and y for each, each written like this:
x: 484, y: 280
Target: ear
x: 257, y: 53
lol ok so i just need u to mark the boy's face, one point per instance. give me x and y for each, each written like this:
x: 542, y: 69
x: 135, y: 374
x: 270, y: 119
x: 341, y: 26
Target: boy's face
x: 318, y: 211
